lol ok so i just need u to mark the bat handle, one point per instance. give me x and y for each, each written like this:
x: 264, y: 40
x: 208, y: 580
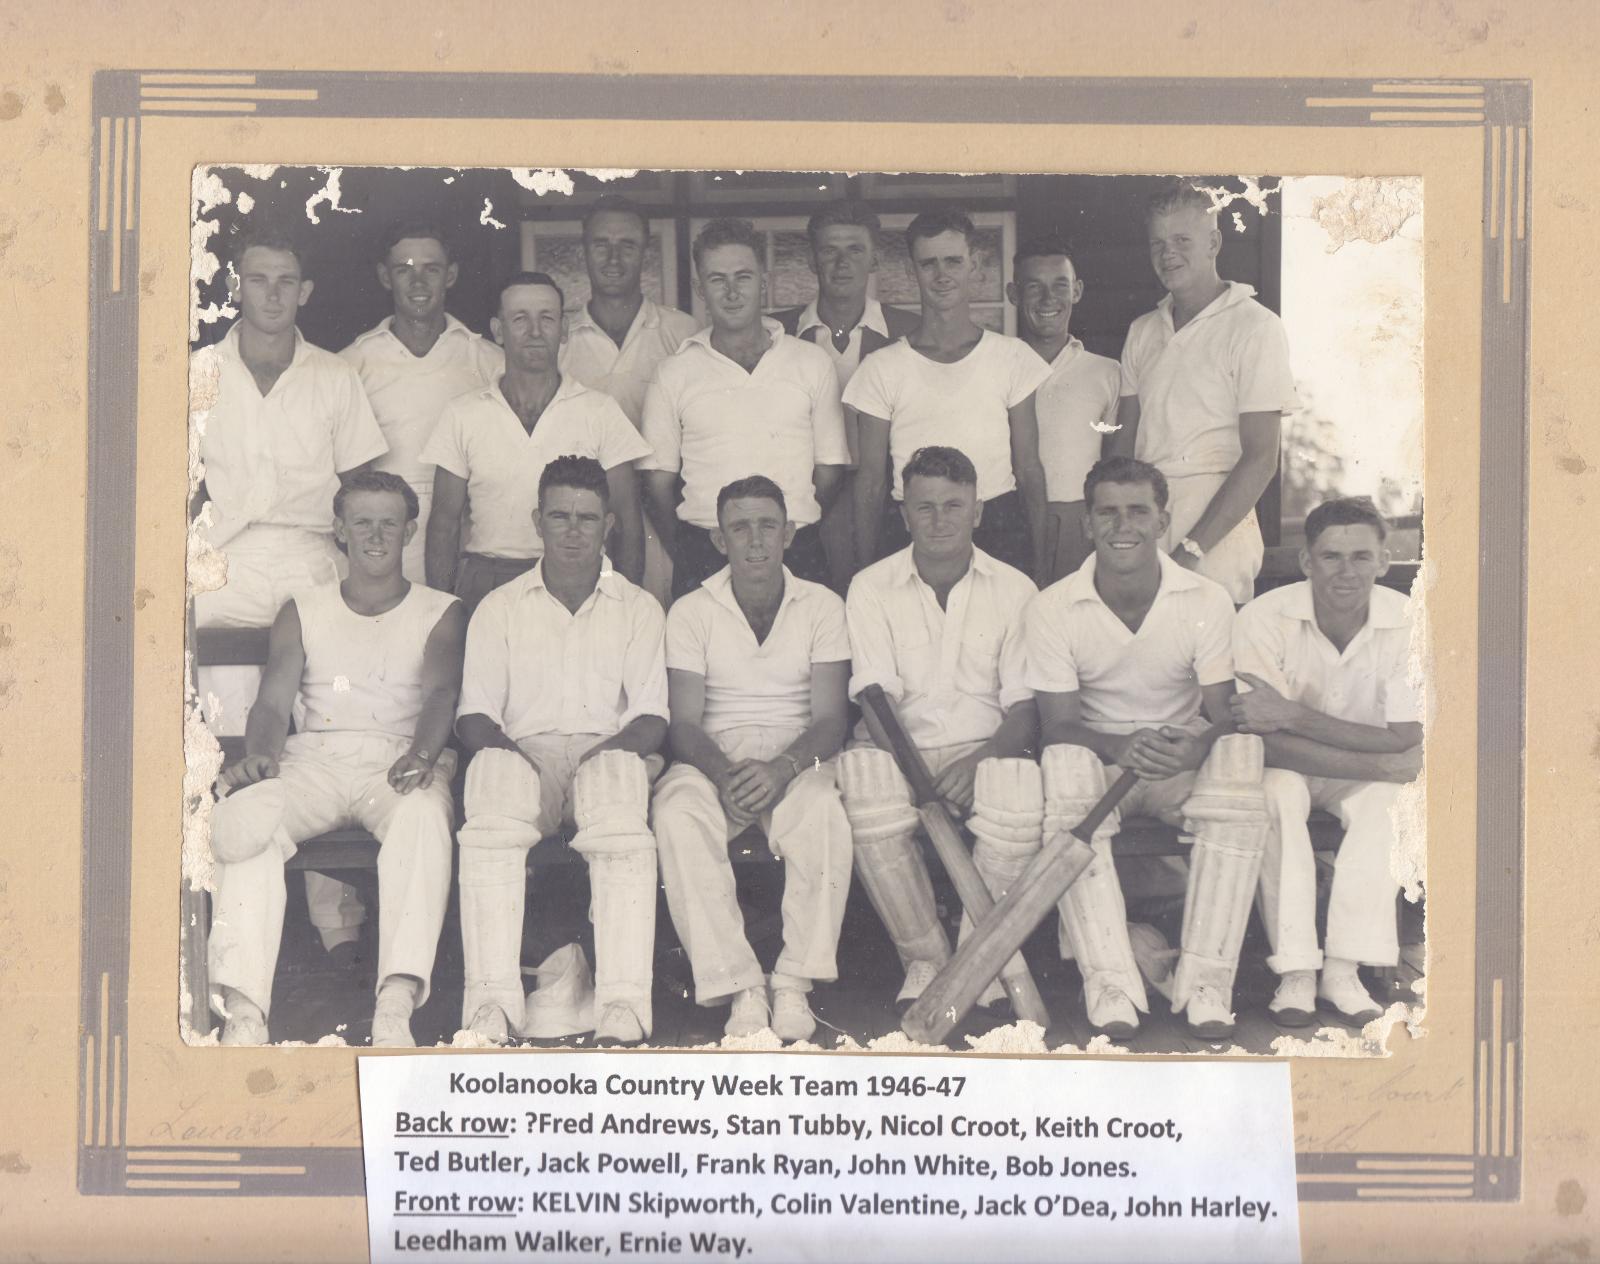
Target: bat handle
x: 1085, y: 828
x: 908, y: 756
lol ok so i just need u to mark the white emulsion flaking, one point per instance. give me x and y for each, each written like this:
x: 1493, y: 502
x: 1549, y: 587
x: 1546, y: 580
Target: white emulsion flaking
x: 1372, y: 209
x: 329, y: 193
x: 486, y: 217
x: 542, y: 180
x: 245, y: 203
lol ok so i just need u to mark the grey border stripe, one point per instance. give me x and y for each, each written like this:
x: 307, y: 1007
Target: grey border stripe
x: 113, y: 321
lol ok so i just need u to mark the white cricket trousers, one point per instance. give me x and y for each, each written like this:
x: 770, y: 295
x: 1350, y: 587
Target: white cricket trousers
x: 807, y: 830
x: 327, y: 781
x: 1233, y: 561
x: 1361, y: 909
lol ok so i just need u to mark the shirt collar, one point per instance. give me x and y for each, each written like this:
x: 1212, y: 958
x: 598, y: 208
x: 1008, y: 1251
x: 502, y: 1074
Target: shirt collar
x: 720, y: 586
x: 608, y: 585
x: 871, y: 318
x: 905, y: 566
x: 1079, y: 586
x: 1382, y: 612
x: 230, y: 344
x: 1069, y: 353
x: 1236, y: 293
x: 702, y: 337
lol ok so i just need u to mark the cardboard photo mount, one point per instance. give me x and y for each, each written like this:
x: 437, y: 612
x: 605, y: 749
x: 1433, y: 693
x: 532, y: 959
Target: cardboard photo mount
x: 1438, y: 1120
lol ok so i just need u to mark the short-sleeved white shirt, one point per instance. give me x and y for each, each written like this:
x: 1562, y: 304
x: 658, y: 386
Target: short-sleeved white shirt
x: 965, y: 405
x: 1276, y: 637
x: 1076, y: 406
x: 480, y: 438
x: 275, y: 459
x: 408, y: 392
x: 1130, y: 680
x: 534, y: 667
x: 766, y: 684
x: 624, y: 372
x: 953, y: 673
x: 1193, y: 383
x: 705, y: 416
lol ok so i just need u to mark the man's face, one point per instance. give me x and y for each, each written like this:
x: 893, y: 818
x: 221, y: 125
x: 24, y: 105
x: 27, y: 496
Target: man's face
x: 1045, y: 290
x: 417, y: 273
x: 573, y: 524
x: 844, y: 259
x: 729, y: 283
x: 940, y: 515
x: 373, y: 529
x: 613, y: 252
x: 529, y: 327
x: 752, y: 534
x: 1184, y: 245
x: 1125, y: 524
x: 1343, y: 565
x: 945, y: 269
x: 270, y: 290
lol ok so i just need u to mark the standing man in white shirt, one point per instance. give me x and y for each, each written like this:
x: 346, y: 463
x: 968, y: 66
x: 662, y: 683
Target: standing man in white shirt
x: 492, y: 444
x: 1128, y: 656
x: 1076, y: 406
x: 1326, y: 665
x: 414, y: 361
x: 848, y: 326
x: 618, y: 339
x: 757, y: 664
x: 741, y: 397
x: 281, y: 423
x: 955, y: 384
x: 564, y: 698
x: 1205, y: 384
x: 938, y: 627
x: 369, y: 670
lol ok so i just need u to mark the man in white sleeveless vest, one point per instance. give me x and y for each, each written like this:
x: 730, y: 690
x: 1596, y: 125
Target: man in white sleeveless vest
x: 369, y: 670
x: 564, y: 699
x: 757, y: 664
x: 1124, y: 655
x: 1326, y: 665
x: 938, y: 626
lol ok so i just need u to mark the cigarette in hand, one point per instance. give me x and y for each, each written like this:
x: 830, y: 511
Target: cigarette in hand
x: 409, y: 772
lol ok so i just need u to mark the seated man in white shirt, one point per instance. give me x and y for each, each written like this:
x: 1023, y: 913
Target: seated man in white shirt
x: 1124, y: 655
x: 938, y: 626
x: 739, y: 398
x: 1326, y: 665
x: 492, y: 444
x: 757, y: 664
x: 417, y: 359
x: 957, y: 384
x: 369, y: 671
x: 1076, y: 406
x: 564, y: 697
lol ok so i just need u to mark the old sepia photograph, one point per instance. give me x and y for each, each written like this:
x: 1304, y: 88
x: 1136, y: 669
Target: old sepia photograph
x: 668, y: 608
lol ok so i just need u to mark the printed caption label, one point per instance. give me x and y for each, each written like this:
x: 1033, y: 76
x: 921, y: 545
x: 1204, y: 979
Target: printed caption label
x: 772, y: 1157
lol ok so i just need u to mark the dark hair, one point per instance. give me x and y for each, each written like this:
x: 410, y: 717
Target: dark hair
x: 616, y: 204
x: 527, y: 278
x: 421, y: 229
x: 848, y: 214
x: 1178, y: 195
x: 1125, y: 470
x: 932, y: 223
x: 1345, y: 511
x: 583, y: 473
x: 750, y: 487
x: 376, y: 481
x: 1044, y: 246
x: 936, y: 462
x: 268, y: 235
x: 727, y: 232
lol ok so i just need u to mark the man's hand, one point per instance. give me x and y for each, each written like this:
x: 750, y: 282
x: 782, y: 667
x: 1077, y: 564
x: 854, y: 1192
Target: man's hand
x: 755, y: 785
x: 1263, y: 709
x: 1184, y: 558
x: 249, y: 770
x: 1156, y: 756
x: 1404, y: 767
x: 410, y: 772
x: 955, y: 785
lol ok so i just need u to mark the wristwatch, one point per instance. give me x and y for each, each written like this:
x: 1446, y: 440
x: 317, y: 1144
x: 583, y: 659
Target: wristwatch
x: 793, y: 762
x: 1191, y: 548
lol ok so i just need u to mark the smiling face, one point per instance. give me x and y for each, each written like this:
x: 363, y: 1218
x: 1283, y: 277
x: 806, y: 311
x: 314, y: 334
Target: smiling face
x: 945, y: 269
x: 417, y: 273
x: 940, y: 515
x: 613, y: 252
x: 269, y: 289
x: 529, y: 327
x: 1343, y: 564
x: 752, y: 533
x: 374, y: 530
x: 1126, y: 526
x: 1044, y: 291
x: 728, y: 280
x: 844, y: 258
x: 573, y: 523
x: 1184, y: 244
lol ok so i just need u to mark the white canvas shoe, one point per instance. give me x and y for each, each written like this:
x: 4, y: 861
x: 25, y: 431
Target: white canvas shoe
x: 618, y: 1025
x: 792, y: 1018
x: 1208, y: 1013
x: 491, y: 1023
x: 1295, y: 1001
x: 749, y: 1013
x: 1111, y: 1013
x: 391, y: 1018
x: 918, y: 975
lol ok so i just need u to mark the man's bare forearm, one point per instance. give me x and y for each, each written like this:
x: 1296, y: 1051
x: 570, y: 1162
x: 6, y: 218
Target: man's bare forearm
x: 434, y: 722
x: 1347, y: 735
x: 660, y: 502
x: 642, y: 735
x: 869, y: 489
x: 1232, y: 501
x: 1315, y: 759
x: 1017, y: 736
x: 1075, y: 733
x: 266, y: 729
x: 442, y: 551
x: 822, y: 740
x: 478, y: 732
x: 690, y: 744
